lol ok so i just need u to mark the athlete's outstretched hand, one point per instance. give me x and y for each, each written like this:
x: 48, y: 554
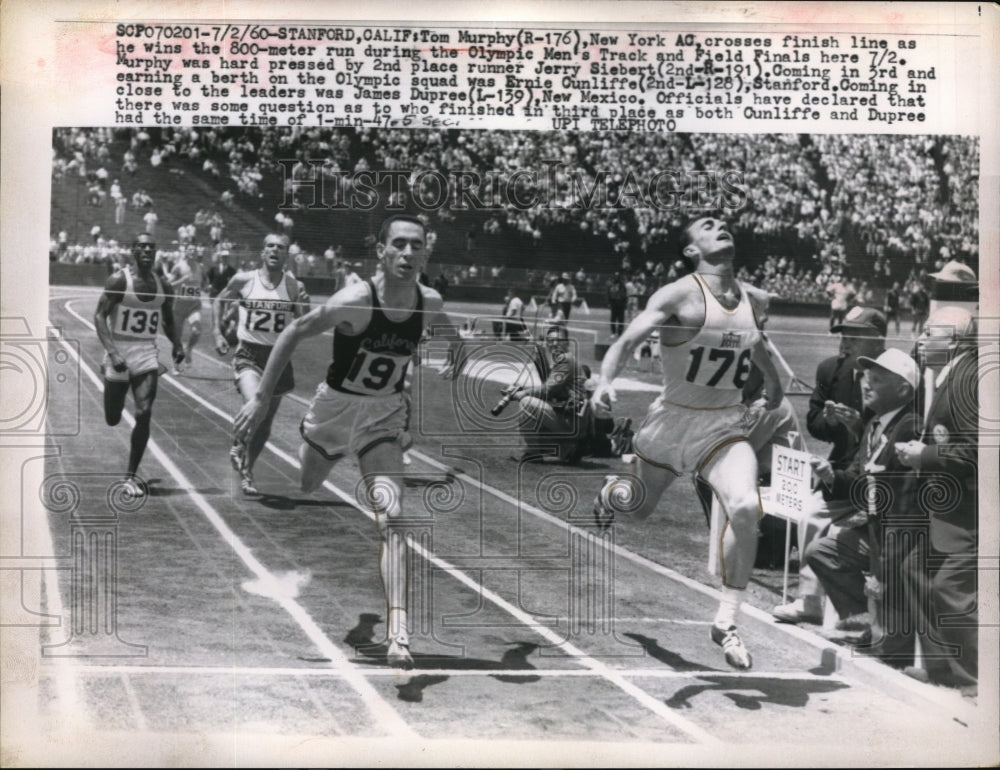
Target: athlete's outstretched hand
x: 603, y: 400
x: 248, y: 418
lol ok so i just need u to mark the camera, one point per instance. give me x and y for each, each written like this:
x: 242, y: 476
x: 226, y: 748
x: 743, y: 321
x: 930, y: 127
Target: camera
x: 505, y: 399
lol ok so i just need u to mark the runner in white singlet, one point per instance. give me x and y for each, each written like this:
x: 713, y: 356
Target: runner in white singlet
x: 709, y: 333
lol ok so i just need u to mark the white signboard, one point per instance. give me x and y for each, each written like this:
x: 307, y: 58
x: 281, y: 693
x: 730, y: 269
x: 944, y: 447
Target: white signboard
x: 791, y: 482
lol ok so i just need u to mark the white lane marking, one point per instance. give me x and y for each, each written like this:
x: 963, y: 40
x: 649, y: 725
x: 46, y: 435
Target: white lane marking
x: 653, y: 704
x: 133, y: 701
x: 379, y: 707
x: 576, y: 673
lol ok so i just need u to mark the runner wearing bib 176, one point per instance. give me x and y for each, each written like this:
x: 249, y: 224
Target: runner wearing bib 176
x: 710, y: 334
x: 362, y: 406
x: 135, y: 305
x: 269, y: 298
x: 187, y: 278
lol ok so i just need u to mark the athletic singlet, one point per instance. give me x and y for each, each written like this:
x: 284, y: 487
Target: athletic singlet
x: 374, y: 362
x: 265, y: 312
x: 188, y: 284
x: 709, y: 370
x: 137, y: 319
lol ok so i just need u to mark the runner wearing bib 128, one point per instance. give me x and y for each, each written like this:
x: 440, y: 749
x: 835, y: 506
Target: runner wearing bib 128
x: 269, y: 299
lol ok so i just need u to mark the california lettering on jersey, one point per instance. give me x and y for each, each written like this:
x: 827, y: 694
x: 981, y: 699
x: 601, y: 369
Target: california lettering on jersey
x: 390, y: 342
x: 374, y: 362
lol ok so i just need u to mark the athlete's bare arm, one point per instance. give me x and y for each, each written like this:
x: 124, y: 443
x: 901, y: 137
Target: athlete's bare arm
x: 113, y: 294
x: 229, y: 294
x: 670, y: 311
x: 760, y: 355
x: 302, y: 299
x: 349, y: 310
x: 439, y: 324
x: 169, y: 328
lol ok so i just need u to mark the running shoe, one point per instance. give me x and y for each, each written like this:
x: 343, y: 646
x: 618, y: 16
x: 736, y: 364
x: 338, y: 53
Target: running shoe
x: 729, y: 640
x: 134, y: 488
x: 246, y: 482
x: 398, y: 655
x: 604, y: 515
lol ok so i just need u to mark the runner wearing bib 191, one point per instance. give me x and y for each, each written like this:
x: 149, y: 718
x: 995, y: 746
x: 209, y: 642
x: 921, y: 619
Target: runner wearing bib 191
x: 362, y: 406
x: 269, y: 299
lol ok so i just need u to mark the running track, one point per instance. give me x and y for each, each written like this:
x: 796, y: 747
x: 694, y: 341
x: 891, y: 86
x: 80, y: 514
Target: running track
x: 248, y: 631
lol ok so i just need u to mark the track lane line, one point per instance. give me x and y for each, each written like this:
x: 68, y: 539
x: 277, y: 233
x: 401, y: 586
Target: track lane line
x: 557, y: 673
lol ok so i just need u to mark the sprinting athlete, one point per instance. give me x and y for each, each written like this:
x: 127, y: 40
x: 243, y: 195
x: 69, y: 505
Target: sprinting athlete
x: 362, y: 406
x: 188, y: 280
x: 134, y: 307
x: 710, y: 335
x: 269, y: 298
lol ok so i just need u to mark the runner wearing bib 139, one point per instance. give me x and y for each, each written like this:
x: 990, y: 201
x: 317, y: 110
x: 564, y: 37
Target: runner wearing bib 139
x: 134, y: 307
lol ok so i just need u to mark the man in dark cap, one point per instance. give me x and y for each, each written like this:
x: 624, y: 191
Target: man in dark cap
x: 836, y: 413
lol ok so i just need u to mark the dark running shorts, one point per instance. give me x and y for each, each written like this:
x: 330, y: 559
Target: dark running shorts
x: 251, y: 356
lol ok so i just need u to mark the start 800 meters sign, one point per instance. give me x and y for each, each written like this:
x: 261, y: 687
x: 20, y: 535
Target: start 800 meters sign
x: 791, y: 481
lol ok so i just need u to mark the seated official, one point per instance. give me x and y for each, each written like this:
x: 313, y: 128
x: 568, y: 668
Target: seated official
x: 878, y: 535
x: 554, y: 420
x: 941, y: 578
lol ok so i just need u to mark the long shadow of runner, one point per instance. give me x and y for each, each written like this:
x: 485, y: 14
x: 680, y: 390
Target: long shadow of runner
x: 282, y: 503
x: 677, y: 662
x: 782, y: 692
x: 361, y: 638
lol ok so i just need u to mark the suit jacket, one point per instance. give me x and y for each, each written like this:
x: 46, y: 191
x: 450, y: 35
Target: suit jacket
x: 835, y: 381
x: 895, y: 501
x: 949, y: 464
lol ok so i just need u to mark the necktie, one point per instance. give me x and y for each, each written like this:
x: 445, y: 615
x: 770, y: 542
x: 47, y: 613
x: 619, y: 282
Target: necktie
x: 872, y: 437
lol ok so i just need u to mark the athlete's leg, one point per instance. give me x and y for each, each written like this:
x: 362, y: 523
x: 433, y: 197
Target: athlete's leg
x: 194, y: 322
x: 732, y: 473
x: 315, y: 467
x: 635, y: 495
x: 244, y: 455
x: 143, y: 394
x: 114, y: 401
x: 382, y: 469
x: 260, y: 436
